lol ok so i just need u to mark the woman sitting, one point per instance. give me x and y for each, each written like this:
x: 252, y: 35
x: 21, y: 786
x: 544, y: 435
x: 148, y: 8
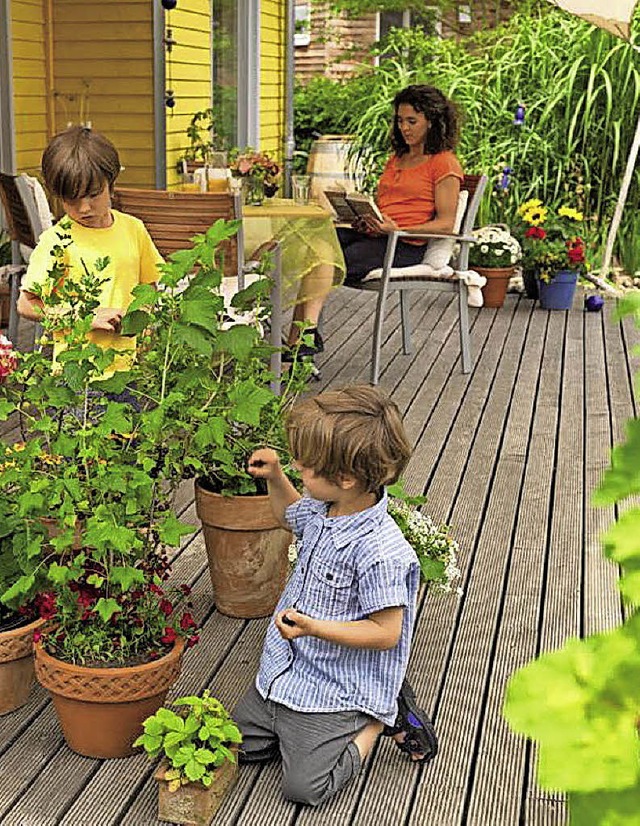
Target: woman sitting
x: 418, y: 190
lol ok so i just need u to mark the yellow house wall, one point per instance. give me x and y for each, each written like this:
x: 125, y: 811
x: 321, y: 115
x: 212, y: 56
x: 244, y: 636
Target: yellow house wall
x: 28, y: 32
x: 188, y: 74
x: 272, y: 76
x: 103, y: 75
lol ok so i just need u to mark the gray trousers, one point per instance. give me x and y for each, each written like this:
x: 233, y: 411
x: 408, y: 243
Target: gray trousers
x: 317, y: 749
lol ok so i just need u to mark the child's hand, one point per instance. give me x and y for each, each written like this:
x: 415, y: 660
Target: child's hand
x: 107, y: 319
x: 264, y: 464
x: 292, y: 624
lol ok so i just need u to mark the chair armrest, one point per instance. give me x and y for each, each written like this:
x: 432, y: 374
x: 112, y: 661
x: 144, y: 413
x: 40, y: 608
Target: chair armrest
x: 428, y: 235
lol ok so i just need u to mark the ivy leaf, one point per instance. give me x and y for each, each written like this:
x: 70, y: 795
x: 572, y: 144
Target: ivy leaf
x: 106, y: 608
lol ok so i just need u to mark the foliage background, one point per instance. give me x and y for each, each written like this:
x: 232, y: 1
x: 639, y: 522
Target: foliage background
x: 581, y: 91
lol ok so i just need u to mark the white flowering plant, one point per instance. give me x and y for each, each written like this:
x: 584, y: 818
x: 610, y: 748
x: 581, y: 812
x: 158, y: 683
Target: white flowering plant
x: 495, y: 247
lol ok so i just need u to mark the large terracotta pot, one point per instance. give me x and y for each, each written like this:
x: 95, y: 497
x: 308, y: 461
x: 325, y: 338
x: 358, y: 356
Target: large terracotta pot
x: 495, y: 290
x: 247, y: 551
x: 101, y: 710
x: 16, y: 666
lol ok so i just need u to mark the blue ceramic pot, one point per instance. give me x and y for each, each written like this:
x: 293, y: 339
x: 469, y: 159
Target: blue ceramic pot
x: 558, y: 294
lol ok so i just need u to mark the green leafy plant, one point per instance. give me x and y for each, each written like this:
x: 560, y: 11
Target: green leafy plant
x: 194, y: 742
x: 203, y: 137
x: 581, y: 703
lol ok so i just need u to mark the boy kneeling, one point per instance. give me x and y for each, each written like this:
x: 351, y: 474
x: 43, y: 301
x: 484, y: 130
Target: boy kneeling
x: 335, y: 656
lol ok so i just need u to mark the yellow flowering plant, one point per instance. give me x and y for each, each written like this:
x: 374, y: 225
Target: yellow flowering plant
x: 552, y: 239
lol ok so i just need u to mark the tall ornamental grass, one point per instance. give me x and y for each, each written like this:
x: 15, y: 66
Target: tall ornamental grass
x: 580, y: 87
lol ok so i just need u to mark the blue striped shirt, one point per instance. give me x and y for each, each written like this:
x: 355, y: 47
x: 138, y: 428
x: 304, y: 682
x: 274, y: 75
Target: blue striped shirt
x: 348, y: 567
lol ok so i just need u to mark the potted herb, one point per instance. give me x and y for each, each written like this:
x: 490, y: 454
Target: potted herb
x: 494, y: 256
x: 553, y: 246
x: 198, y: 746
x: 204, y: 141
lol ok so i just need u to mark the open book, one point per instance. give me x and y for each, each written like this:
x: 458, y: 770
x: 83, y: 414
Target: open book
x: 351, y: 205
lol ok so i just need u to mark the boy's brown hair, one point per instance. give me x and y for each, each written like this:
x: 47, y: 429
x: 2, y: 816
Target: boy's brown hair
x: 356, y: 431
x: 79, y: 162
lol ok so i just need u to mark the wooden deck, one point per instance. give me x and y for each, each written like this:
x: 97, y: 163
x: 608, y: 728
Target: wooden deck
x: 509, y: 456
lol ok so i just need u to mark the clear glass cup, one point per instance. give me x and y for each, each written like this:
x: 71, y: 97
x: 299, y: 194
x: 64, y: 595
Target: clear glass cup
x: 188, y: 182
x: 301, y: 188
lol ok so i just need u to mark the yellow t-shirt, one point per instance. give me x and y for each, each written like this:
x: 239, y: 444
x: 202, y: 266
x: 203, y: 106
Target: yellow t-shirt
x: 133, y: 260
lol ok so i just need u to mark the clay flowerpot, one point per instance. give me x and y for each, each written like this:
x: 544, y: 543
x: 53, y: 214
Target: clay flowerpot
x: 247, y: 551
x: 16, y: 666
x: 193, y: 804
x: 101, y: 710
x: 495, y: 290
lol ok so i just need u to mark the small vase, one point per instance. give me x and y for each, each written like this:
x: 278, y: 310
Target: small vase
x: 558, y: 293
x: 253, y: 191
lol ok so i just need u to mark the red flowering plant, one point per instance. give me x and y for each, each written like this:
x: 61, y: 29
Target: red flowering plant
x: 86, y: 512
x: 552, y: 240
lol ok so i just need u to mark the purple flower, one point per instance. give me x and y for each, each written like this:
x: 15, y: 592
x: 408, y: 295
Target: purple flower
x: 519, y: 117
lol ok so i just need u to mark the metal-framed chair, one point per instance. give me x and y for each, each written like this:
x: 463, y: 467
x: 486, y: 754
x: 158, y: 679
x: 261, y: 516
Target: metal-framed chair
x: 424, y: 277
x: 25, y: 224
x: 173, y: 218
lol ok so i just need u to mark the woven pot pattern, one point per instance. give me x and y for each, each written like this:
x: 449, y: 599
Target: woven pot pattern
x: 108, y: 685
x: 18, y: 642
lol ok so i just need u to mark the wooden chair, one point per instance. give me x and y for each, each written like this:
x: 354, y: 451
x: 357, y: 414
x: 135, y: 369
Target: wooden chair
x: 25, y: 227
x: 424, y: 277
x: 173, y: 218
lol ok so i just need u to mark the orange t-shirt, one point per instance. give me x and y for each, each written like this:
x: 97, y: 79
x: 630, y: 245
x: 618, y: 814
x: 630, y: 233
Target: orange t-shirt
x: 408, y: 196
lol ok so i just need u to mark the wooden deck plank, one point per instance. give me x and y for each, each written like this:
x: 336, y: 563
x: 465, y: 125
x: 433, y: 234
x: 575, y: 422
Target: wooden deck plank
x: 561, y: 615
x: 484, y: 515
x: 501, y: 757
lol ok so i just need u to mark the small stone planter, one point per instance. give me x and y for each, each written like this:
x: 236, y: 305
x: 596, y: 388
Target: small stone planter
x: 193, y: 804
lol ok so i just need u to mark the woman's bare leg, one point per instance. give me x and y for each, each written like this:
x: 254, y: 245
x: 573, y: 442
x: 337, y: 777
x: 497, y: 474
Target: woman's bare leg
x: 318, y: 284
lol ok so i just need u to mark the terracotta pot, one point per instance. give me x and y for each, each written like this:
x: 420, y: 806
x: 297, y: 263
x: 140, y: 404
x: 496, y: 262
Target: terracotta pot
x: 495, y: 290
x: 247, y: 551
x: 101, y: 710
x: 16, y: 666
x: 193, y: 804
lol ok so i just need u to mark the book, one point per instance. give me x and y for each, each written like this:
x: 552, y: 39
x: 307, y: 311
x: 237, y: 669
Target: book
x: 351, y: 205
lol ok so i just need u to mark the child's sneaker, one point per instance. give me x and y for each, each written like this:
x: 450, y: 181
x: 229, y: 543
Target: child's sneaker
x: 420, y: 740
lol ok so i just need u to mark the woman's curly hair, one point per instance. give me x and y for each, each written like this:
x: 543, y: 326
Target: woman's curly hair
x: 438, y: 110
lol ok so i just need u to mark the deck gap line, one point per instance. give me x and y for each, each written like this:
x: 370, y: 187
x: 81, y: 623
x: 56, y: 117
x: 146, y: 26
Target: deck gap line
x: 505, y: 581
x: 584, y: 497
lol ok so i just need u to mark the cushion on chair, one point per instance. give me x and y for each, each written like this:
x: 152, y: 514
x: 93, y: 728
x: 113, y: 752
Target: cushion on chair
x: 439, y: 250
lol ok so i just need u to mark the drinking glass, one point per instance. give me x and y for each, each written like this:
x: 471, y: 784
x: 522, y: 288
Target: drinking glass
x: 301, y: 188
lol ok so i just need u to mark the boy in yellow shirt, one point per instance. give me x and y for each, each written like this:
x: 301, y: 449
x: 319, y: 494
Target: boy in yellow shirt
x: 80, y: 167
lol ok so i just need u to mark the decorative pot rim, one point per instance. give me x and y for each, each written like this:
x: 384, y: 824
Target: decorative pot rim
x: 118, y: 671
x: 18, y: 642
x: 501, y: 270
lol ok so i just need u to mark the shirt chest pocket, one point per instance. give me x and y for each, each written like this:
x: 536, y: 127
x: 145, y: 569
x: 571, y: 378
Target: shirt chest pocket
x: 331, y: 588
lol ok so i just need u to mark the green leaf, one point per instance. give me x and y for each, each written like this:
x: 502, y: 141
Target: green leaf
x: 247, y: 400
x: 238, y: 341
x: 126, y: 576
x: 171, y: 529
x: 153, y: 727
x: 604, y: 808
x: 204, y: 756
x: 194, y: 338
x: 20, y: 588
x: 194, y: 770
x: 213, y: 431
x: 134, y: 322
x: 106, y: 608
x: 622, y: 479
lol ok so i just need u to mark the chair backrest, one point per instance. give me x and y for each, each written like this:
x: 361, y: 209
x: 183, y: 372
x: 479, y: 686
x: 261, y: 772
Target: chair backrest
x: 18, y: 223
x: 475, y: 186
x: 173, y: 218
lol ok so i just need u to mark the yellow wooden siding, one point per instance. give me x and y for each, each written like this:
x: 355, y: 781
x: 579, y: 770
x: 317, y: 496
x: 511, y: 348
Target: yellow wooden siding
x: 272, y: 75
x: 103, y: 73
x: 29, y: 82
x: 188, y: 74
